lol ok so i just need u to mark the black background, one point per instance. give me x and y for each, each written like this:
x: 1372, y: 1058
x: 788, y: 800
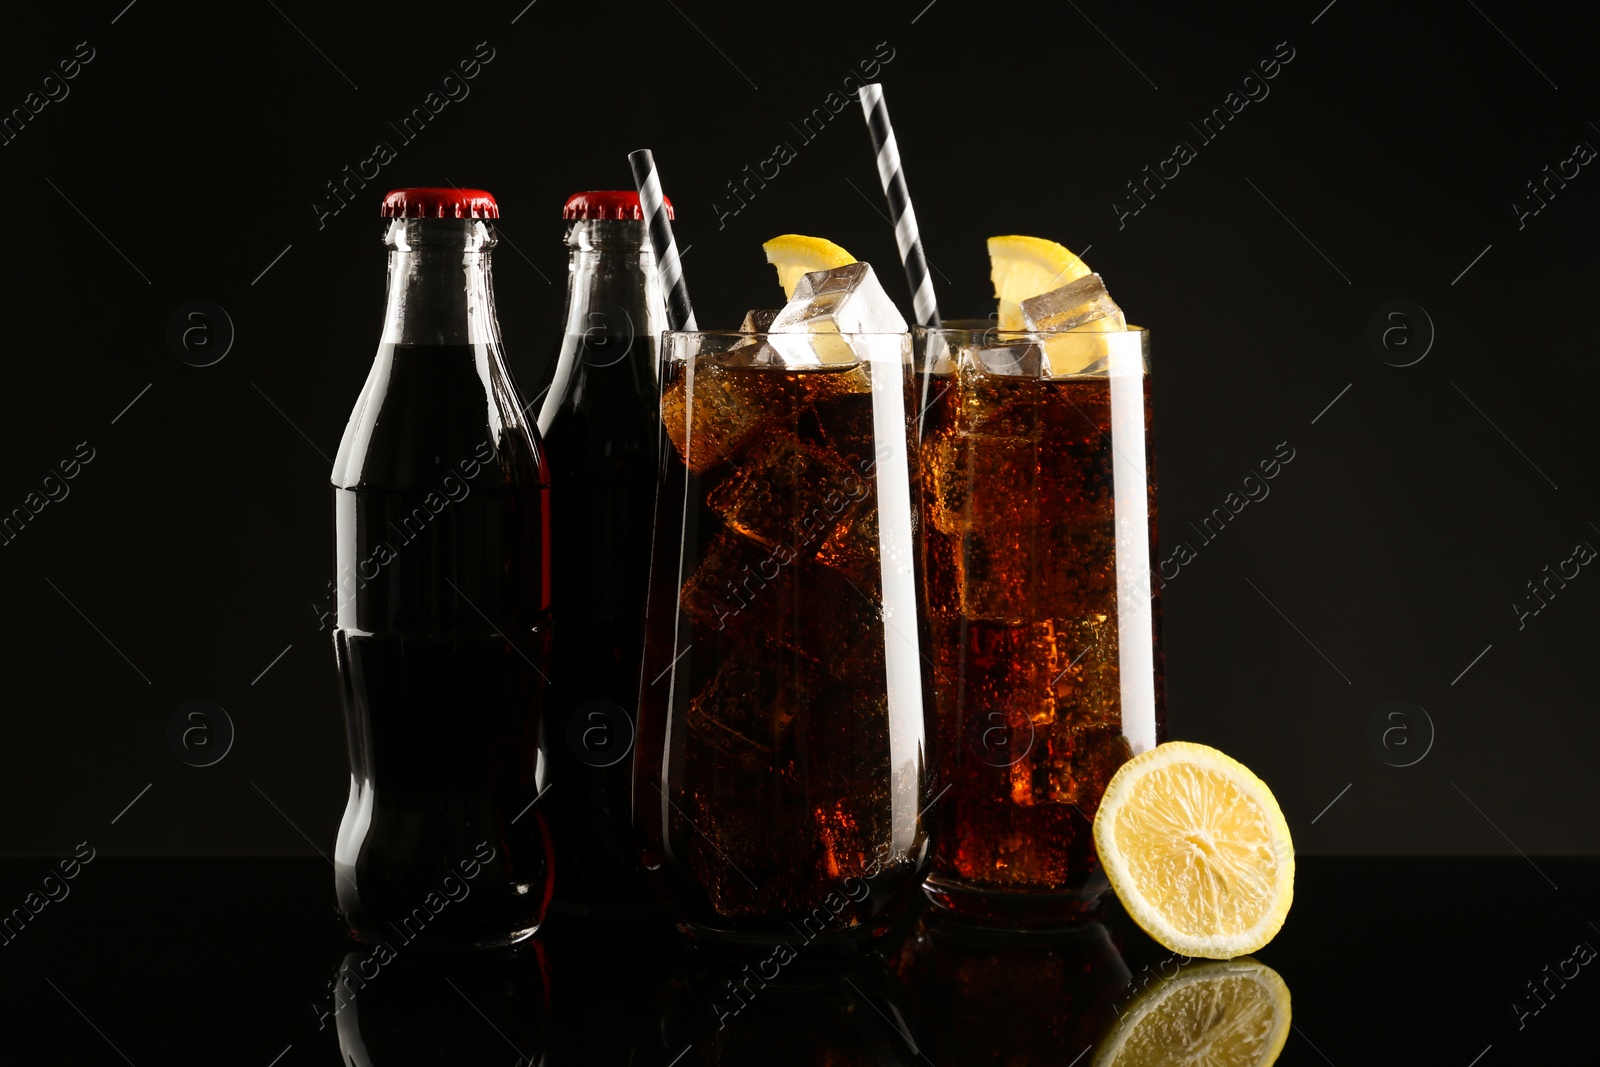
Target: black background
x: 194, y: 548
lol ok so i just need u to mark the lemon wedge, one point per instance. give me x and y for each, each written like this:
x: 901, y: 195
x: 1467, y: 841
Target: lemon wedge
x: 1197, y: 850
x: 1021, y: 267
x: 1233, y: 1014
x: 796, y: 256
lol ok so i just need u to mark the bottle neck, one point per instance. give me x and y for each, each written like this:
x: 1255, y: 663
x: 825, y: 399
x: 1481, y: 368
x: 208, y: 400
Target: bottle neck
x: 440, y: 288
x: 613, y: 293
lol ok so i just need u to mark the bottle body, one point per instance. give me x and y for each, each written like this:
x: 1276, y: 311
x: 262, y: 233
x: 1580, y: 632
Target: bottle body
x: 442, y: 571
x: 598, y: 419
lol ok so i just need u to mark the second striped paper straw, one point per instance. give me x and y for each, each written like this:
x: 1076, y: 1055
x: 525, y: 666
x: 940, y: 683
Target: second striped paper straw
x: 680, y: 315
x: 900, y: 211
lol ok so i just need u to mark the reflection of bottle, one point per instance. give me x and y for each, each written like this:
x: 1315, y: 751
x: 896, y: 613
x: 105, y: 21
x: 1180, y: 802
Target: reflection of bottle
x: 740, y: 1012
x: 981, y: 996
x: 391, y: 1010
x: 599, y: 419
x: 443, y: 572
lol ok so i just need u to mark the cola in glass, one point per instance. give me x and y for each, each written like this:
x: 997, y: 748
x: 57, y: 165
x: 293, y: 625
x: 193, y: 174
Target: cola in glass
x: 781, y: 783
x: 1038, y: 530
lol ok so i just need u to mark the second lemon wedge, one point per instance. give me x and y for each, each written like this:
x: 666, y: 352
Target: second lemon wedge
x: 1021, y: 267
x: 795, y: 256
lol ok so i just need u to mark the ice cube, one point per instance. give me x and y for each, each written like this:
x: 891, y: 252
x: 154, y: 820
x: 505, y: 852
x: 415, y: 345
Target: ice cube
x: 744, y: 591
x: 994, y: 698
x: 753, y: 700
x: 1087, y: 689
x: 823, y: 386
x: 788, y: 494
x: 1011, y: 667
x: 999, y: 575
x: 947, y: 474
x: 1000, y: 392
x: 853, y: 545
x: 1074, y: 306
x: 988, y: 485
x: 1070, y: 766
x: 1076, y: 750
x: 998, y: 516
x: 1075, y: 316
x: 749, y: 354
x: 1018, y: 361
x: 1003, y: 843
x: 842, y: 403
x: 843, y: 742
x: 848, y: 298
x: 833, y: 617
x: 758, y: 321
x: 734, y: 394
x: 1028, y: 712
x: 799, y: 349
x: 742, y: 828
x: 826, y: 303
x: 735, y: 586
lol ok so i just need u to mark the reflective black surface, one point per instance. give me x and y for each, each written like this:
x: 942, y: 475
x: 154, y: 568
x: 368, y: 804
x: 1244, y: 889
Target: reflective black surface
x: 160, y: 961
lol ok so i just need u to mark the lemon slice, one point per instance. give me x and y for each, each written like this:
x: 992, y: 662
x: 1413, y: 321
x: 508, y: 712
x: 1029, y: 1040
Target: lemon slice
x: 796, y: 256
x: 1197, y: 850
x: 1233, y: 1014
x: 1021, y: 267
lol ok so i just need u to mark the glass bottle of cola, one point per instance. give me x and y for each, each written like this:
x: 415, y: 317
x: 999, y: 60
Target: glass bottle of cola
x: 599, y: 419
x: 442, y: 571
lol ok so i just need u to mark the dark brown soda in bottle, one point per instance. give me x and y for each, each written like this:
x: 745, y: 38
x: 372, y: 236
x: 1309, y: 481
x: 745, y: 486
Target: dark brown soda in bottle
x: 598, y: 417
x: 443, y: 582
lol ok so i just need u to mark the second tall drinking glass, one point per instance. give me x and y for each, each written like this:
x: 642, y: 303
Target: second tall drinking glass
x: 1038, y: 534
x: 781, y: 773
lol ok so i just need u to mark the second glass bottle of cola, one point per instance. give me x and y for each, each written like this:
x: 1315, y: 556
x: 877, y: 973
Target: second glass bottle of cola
x: 598, y: 416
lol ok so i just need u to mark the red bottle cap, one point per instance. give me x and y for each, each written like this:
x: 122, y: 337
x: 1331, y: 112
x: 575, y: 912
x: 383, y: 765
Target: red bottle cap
x: 440, y: 204
x: 608, y: 204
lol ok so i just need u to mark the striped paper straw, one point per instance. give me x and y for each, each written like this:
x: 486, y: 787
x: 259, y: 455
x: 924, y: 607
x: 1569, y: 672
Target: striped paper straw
x: 680, y: 316
x: 900, y: 210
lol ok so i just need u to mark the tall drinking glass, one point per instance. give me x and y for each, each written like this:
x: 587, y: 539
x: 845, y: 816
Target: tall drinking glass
x: 781, y: 773
x: 1038, y: 532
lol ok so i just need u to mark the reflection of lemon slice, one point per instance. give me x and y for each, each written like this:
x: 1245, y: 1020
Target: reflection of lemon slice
x: 1027, y: 266
x: 1233, y: 1014
x: 796, y: 256
x: 1197, y: 850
